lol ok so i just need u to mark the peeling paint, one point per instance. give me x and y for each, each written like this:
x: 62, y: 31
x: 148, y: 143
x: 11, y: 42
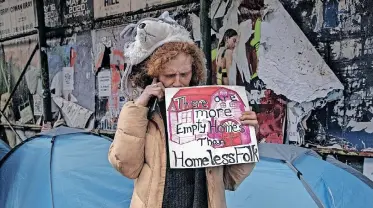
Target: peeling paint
x: 298, y: 113
x: 318, y: 12
x: 368, y: 46
x: 346, y: 49
x: 286, y: 56
x: 196, y: 27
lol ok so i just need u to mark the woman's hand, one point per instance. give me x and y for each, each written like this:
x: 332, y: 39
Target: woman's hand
x: 155, y: 89
x: 249, y: 118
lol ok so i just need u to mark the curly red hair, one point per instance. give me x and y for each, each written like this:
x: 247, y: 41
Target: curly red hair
x: 154, y: 65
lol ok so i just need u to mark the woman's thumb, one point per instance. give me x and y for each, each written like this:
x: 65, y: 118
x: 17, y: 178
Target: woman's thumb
x: 154, y: 81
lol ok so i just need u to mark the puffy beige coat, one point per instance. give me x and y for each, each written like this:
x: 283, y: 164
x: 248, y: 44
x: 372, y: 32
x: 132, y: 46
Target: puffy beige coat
x: 139, y: 152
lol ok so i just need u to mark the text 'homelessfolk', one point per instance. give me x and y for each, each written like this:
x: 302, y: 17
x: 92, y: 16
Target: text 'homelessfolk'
x: 204, y: 128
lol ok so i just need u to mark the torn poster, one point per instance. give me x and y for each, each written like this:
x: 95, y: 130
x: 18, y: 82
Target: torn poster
x: 108, y: 49
x: 368, y: 168
x: 218, y: 8
x: 234, y: 57
x: 271, y: 112
x: 235, y: 62
x: 25, y: 112
x: 38, y: 105
x: 196, y: 27
x: 76, y: 52
x: 104, y: 83
x: 230, y: 20
x: 68, y: 78
x: 286, y: 56
x: 75, y: 115
x: 109, y: 59
x: 204, y: 127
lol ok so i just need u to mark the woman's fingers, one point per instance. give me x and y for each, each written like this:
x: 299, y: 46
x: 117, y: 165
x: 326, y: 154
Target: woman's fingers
x: 157, y: 91
x: 248, y: 115
x: 154, y: 89
x: 250, y: 122
x: 249, y: 118
x: 160, y: 84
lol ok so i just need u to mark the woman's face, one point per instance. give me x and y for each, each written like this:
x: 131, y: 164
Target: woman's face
x: 231, y: 42
x: 177, y: 72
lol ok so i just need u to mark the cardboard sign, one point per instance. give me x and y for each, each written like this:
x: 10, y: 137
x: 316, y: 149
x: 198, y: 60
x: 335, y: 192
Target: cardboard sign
x: 204, y: 127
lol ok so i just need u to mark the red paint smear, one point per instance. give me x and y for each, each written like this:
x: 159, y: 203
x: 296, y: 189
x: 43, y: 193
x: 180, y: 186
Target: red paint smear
x: 73, y: 56
x: 271, y: 118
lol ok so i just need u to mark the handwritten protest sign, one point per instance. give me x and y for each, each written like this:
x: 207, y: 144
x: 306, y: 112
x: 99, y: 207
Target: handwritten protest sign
x: 204, y: 128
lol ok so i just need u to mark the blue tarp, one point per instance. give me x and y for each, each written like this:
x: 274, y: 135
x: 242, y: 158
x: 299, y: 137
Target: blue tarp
x: 72, y: 171
x: 69, y: 168
x: 4, y: 149
x: 335, y: 187
x: 271, y: 184
x: 289, y: 176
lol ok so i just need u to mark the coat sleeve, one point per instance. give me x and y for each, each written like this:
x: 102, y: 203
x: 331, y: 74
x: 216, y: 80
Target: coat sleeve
x: 235, y: 174
x: 126, y: 153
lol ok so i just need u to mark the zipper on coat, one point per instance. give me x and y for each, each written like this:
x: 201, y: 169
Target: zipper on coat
x: 164, y: 155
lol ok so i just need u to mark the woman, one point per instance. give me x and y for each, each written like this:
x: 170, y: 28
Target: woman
x: 139, y: 150
x: 224, y: 56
